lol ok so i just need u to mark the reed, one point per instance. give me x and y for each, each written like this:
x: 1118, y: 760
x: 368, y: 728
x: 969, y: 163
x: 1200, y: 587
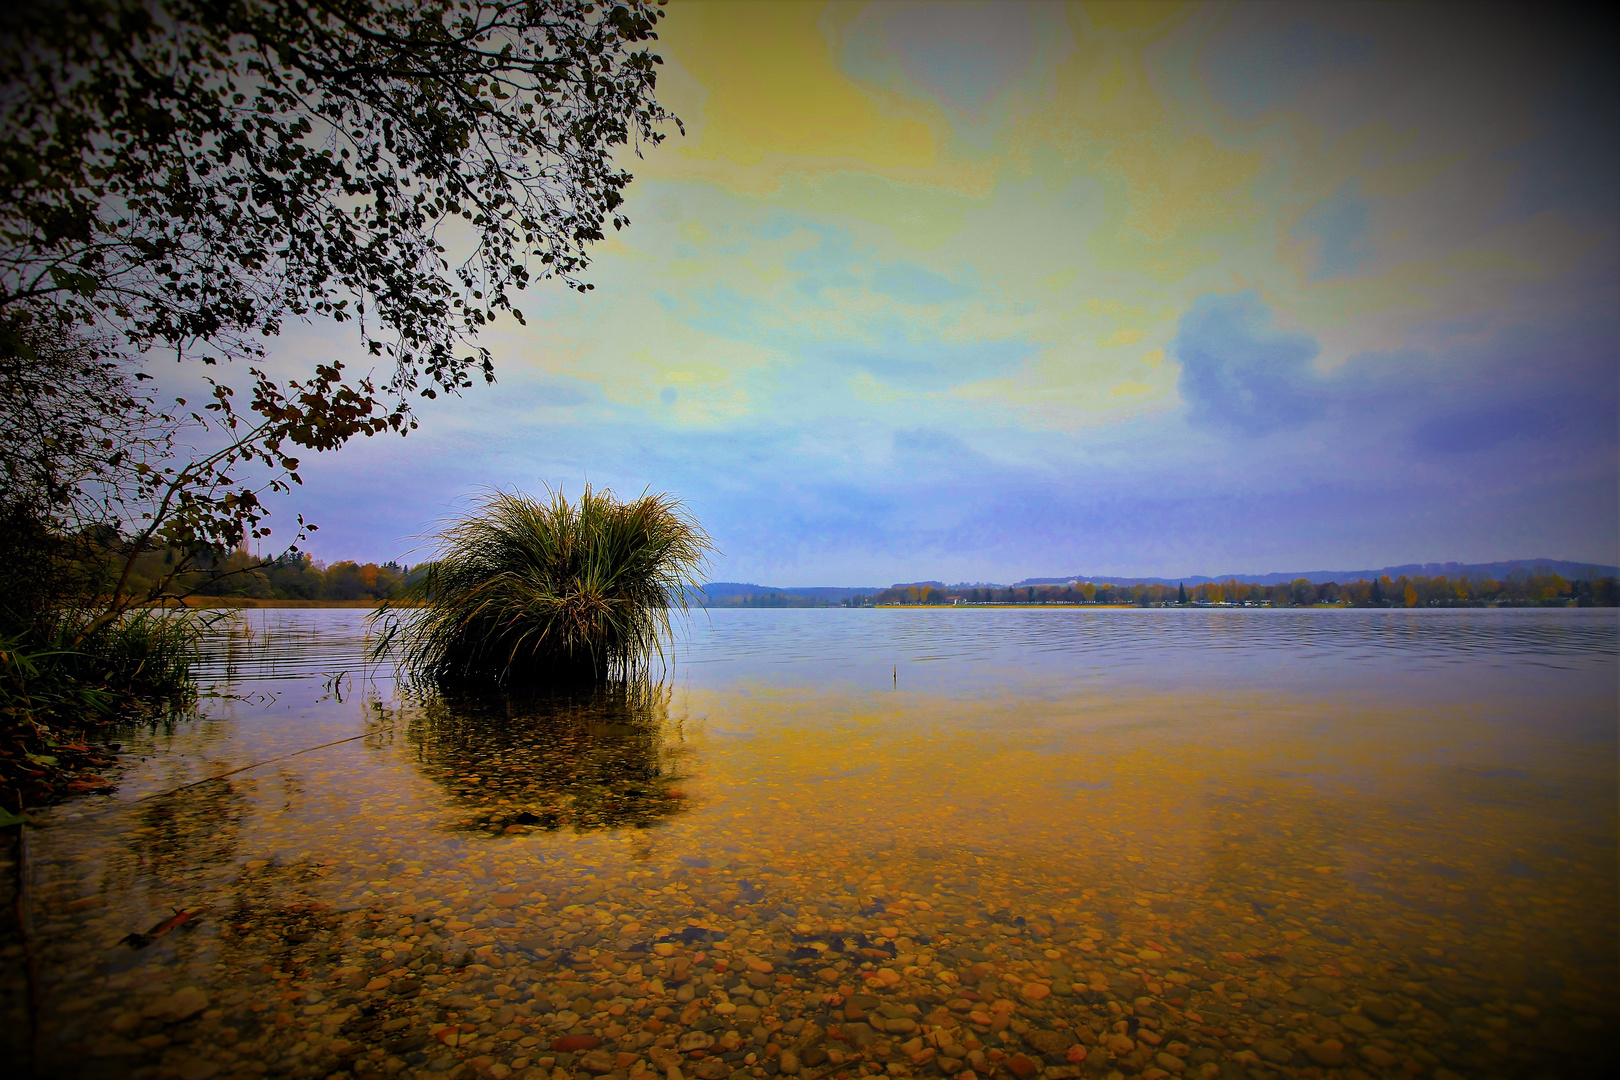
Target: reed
x: 525, y: 592
x: 59, y: 685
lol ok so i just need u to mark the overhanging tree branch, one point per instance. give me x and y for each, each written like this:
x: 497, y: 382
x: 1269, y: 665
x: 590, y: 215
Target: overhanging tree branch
x: 182, y: 176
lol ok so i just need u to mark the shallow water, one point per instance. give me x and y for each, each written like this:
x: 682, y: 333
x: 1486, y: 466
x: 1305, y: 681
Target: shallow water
x: 1010, y: 842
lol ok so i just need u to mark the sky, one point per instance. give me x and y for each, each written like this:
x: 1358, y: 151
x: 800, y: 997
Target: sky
x: 975, y: 292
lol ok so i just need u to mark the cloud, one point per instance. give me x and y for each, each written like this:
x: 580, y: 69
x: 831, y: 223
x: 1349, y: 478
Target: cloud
x: 1484, y: 429
x: 772, y: 91
x: 1519, y: 386
x: 556, y: 393
x: 1239, y: 373
x: 1272, y: 66
x: 1338, y: 224
x: 1573, y: 163
x: 1523, y: 390
x: 914, y: 285
x: 924, y: 365
x: 828, y: 265
x: 962, y: 53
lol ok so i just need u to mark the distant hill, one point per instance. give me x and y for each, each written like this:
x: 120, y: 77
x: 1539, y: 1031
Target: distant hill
x: 731, y: 592
x: 1498, y: 571
x: 745, y: 594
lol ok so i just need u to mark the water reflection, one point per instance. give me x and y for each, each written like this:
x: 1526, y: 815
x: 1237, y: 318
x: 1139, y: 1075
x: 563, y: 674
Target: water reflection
x: 1275, y: 849
x: 184, y: 831
x: 596, y: 760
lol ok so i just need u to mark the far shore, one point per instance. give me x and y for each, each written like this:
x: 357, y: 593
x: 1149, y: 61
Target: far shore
x: 253, y: 602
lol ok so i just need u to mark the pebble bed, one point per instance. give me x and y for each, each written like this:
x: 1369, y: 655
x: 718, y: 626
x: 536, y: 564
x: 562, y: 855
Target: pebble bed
x: 820, y: 885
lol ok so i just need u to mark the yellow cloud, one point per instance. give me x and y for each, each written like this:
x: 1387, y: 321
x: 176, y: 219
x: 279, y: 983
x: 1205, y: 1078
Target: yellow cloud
x: 767, y: 274
x: 699, y: 372
x: 1125, y: 335
x: 770, y: 115
x: 612, y: 352
x: 773, y: 89
x: 773, y: 116
x: 1131, y: 14
x: 866, y: 388
x: 1083, y: 208
x: 1109, y: 86
x: 685, y: 268
x: 1480, y: 259
x: 1175, y: 199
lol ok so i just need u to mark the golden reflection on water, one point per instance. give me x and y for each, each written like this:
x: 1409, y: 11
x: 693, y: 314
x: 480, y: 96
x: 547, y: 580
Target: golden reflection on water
x: 752, y: 880
x: 596, y: 761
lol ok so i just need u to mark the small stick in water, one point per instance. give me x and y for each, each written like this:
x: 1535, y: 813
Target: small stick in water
x: 180, y: 917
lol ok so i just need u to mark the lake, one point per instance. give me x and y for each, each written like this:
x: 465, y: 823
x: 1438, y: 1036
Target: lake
x: 1010, y: 843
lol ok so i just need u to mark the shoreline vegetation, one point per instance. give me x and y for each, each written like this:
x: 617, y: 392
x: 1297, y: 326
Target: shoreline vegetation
x: 265, y: 586
x: 217, y: 603
x: 249, y: 603
x: 1517, y: 590
x: 65, y: 692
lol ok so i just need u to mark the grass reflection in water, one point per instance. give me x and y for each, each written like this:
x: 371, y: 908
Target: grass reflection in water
x: 597, y: 759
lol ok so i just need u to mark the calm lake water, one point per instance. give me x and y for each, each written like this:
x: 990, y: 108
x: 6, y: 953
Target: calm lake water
x: 1236, y: 844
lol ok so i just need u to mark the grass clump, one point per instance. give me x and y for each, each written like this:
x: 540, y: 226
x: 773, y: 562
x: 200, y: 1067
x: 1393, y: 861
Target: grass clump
x: 70, y: 675
x: 73, y: 662
x: 525, y: 592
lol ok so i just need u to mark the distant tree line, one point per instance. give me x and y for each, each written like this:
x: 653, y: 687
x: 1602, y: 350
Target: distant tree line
x: 767, y: 600
x: 1520, y: 589
x: 909, y: 594
x: 298, y: 576
x: 301, y: 577
x: 239, y: 574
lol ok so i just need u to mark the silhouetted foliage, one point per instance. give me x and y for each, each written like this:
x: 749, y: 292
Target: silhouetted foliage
x: 180, y: 177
